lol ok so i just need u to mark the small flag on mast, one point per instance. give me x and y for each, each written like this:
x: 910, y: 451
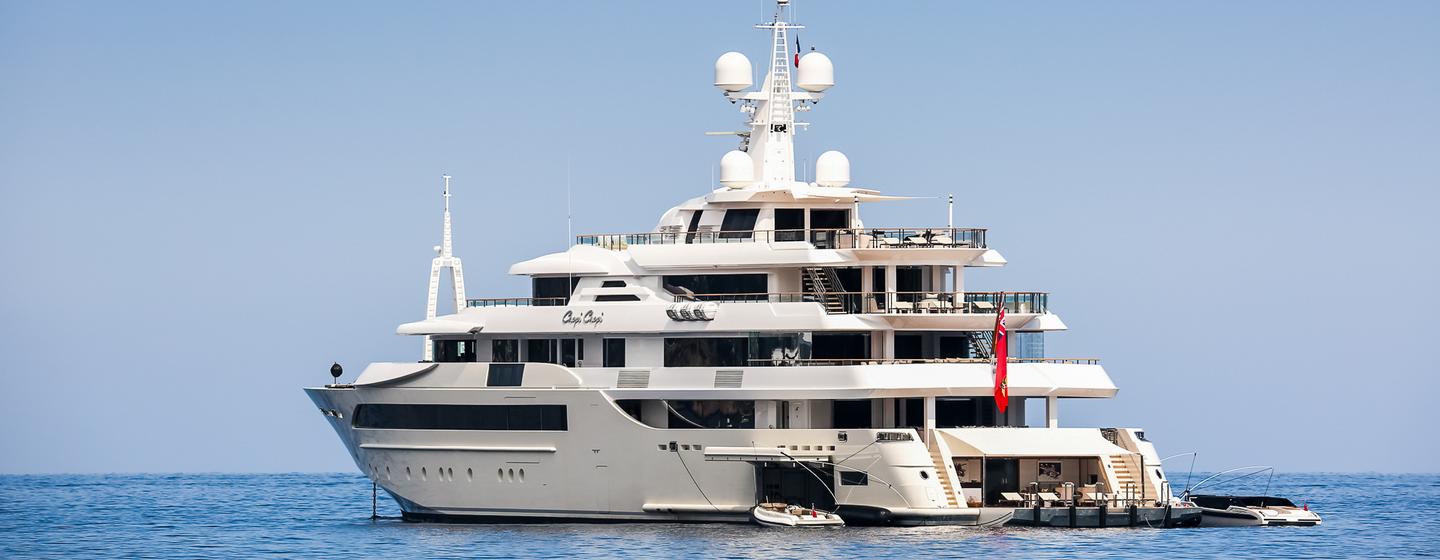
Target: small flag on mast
x: 1001, y: 351
x: 797, y: 50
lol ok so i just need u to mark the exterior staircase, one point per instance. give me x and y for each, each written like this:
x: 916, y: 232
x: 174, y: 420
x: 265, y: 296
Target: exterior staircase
x: 822, y: 285
x: 980, y: 344
x: 1125, y: 477
x: 942, y: 472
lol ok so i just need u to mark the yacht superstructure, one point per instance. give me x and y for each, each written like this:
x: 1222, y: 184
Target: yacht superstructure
x: 760, y: 344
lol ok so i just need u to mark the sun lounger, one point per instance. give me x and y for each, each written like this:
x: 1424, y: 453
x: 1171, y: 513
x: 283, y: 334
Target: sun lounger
x: 1050, y: 498
x: 903, y: 307
x: 1012, y: 498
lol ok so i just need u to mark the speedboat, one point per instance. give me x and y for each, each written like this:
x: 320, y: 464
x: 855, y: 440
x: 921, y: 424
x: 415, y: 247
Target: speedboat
x: 785, y: 515
x: 1222, y: 511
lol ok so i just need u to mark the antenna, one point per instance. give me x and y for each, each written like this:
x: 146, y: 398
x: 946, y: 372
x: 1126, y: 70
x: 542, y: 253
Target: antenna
x: 444, y: 258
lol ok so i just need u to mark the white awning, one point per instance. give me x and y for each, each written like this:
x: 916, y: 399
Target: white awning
x: 441, y: 325
x: 1029, y: 442
x: 763, y: 454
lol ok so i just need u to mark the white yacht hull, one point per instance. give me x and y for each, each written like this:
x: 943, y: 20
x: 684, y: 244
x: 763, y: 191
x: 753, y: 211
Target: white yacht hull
x: 607, y: 467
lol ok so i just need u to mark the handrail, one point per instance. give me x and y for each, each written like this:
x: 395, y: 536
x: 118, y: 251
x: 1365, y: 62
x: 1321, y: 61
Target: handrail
x: 908, y: 302
x: 517, y: 302
x: 761, y: 362
x: 835, y: 238
x: 854, y: 302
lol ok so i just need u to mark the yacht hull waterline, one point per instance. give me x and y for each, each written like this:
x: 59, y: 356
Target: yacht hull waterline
x: 760, y: 345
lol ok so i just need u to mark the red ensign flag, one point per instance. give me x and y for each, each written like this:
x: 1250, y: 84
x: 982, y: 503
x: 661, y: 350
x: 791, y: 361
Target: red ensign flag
x: 1002, y: 389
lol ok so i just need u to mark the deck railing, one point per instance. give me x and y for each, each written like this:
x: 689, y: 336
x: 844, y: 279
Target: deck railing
x: 902, y: 302
x: 761, y: 362
x: 846, y: 238
x: 851, y: 302
x: 517, y: 302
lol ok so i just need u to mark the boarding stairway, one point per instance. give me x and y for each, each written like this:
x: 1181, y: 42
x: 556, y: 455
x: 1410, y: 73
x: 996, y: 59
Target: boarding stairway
x: 822, y: 285
x: 1124, y: 472
x: 942, y: 472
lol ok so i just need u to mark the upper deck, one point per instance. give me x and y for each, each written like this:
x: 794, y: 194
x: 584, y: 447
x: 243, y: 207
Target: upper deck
x: 819, y: 238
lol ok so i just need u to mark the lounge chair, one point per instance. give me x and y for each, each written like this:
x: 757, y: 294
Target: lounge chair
x: 917, y: 240
x: 982, y: 306
x: 942, y: 240
x: 929, y: 303
x: 1050, y: 499
x: 1013, y: 498
x: 902, y: 307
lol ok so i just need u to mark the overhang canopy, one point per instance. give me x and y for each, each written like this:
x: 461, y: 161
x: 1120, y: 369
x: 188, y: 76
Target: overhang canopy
x: 1029, y: 442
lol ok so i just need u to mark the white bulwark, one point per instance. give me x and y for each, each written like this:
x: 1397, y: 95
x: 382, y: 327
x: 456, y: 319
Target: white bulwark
x: 760, y: 344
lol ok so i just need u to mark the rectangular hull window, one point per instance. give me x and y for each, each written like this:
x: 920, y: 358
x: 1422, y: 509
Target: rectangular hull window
x: 712, y: 414
x: 505, y: 375
x: 540, y: 417
x: 614, y: 351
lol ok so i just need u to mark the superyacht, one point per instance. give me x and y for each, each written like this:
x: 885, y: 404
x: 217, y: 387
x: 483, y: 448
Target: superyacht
x: 760, y: 345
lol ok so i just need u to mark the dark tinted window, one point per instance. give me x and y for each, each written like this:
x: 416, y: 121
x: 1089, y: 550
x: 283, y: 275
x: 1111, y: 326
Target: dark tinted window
x: 617, y: 297
x: 790, y: 224
x: 550, y: 417
x: 853, y: 478
x: 454, y: 350
x: 706, y: 352
x: 738, y: 223
x: 720, y: 283
x: 712, y: 414
x: 540, y: 350
x: 613, y: 284
x: 614, y: 352
x: 505, y: 350
x: 505, y: 375
x: 850, y: 414
x: 553, y: 288
x: 572, y: 350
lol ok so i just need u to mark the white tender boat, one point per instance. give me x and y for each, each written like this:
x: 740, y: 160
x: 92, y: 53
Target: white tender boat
x: 785, y: 515
x: 1229, y: 511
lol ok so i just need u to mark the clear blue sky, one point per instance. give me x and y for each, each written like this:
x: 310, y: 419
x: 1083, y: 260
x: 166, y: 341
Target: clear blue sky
x: 202, y: 204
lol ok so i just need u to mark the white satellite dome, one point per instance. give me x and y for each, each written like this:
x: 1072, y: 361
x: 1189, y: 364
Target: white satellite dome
x: 738, y: 170
x: 732, y: 72
x: 817, y: 73
x: 832, y: 169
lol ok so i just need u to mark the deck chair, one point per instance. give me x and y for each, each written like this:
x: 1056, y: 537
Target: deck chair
x: 942, y: 240
x: 930, y: 303
x: 982, y: 306
x: 903, y: 307
x: 1093, y: 498
x: 917, y: 240
x: 1049, y: 498
x: 1013, y: 498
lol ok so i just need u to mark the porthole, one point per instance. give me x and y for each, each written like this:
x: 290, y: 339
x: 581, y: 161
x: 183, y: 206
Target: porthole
x: 924, y: 475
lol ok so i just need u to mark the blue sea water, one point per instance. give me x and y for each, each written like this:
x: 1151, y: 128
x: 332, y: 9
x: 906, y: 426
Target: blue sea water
x: 328, y: 515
